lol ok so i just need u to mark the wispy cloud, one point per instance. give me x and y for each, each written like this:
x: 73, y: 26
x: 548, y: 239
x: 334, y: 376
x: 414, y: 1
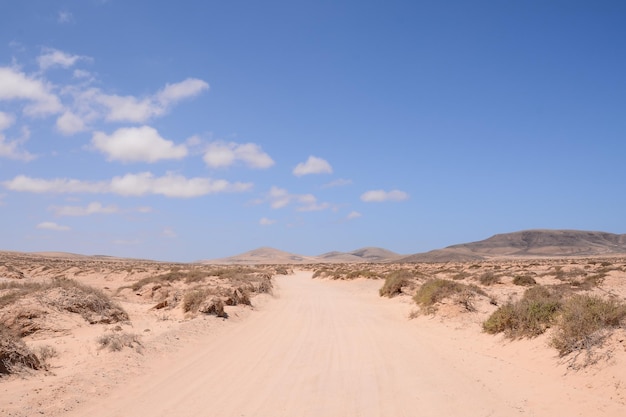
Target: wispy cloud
x: 222, y: 154
x: 145, y: 183
x: 65, y: 17
x: 137, y: 144
x: 13, y: 149
x: 266, y: 222
x: 341, y: 182
x: 353, y: 215
x: 94, y: 208
x: 280, y: 197
x: 313, y: 165
x: 379, y: 196
x: 56, y: 58
x: 169, y: 233
x: 53, y: 226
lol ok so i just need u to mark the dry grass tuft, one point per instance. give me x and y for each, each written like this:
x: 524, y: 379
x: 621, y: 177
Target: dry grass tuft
x: 114, y: 342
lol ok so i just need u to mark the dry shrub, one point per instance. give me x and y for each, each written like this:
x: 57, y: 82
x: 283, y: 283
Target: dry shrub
x: 394, y: 281
x: 14, y: 354
x: 528, y: 317
x: 436, y: 290
x: 64, y: 294
x: 489, y: 278
x: 524, y: 280
x: 584, y: 321
x: 114, y: 342
x: 193, y: 298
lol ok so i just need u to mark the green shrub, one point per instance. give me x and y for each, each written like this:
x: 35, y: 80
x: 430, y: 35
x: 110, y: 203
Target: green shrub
x: 583, y: 320
x: 436, y: 290
x: 394, y: 281
x: 528, y: 317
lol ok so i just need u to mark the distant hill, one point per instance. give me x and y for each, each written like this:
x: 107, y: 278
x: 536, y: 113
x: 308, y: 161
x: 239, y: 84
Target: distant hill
x: 368, y: 254
x: 264, y: 255
x: 274, y: 256
x: 529, y: 243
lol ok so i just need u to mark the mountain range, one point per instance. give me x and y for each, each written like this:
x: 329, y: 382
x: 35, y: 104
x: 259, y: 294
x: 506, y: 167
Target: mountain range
x: 527, y: 243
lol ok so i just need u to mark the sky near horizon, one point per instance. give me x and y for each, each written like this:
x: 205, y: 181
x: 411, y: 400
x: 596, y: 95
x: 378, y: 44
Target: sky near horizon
x: 195, y: 130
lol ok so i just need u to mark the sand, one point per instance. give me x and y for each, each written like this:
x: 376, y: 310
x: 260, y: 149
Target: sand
x: 329, y: 348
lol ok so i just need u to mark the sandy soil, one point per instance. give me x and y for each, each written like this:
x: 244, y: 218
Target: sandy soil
x: 326, y: 348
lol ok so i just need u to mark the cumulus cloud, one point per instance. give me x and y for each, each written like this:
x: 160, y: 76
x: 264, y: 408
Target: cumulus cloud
x: 313, y: 165
x: 91, y: 208
x: 137, y: 144
x: 52, y: 226
x: 353, y: 215
x: 55, y: 58
x: 379, y: 196
x: 15, y: 85
x: 222, y: 154
x: 266, y: 222
x: 145, y: 183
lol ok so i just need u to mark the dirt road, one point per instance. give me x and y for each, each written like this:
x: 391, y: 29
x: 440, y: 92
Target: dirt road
x: 326, y: 348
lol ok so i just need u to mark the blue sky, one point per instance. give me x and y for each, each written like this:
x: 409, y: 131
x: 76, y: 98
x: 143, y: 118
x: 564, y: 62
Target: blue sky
x: 194, y: 130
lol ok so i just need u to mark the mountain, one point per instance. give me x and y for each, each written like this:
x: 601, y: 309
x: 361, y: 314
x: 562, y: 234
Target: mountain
x: 529, y: 243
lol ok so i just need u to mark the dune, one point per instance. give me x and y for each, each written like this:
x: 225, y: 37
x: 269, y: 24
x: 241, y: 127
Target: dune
x: 334, y: 348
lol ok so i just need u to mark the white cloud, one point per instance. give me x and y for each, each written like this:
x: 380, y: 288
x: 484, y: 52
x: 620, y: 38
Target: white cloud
x: 15, y: 85
x: 6, y: 120
x: 132, y: 109
x: 55, y: 58
x: 354, y: 215
x: 168, y: 232
x: 172, y: 93
x: 221, y: 154
x: 52, y: 226
x: 266, y: 222
x: 65, y: 17
x: 69, y: 123
x: 313, y: 165
x: 169, y: 185
x: 137, y: 144
x: 341, y: 182
x: 378, y: 196
x: 91, y: 208
x: 279, y: 198
x: 12, y: 149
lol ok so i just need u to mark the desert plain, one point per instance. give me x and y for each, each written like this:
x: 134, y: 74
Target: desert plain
x: 103, y: 336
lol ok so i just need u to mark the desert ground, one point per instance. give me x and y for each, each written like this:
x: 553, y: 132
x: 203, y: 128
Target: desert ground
x: 102, y: 336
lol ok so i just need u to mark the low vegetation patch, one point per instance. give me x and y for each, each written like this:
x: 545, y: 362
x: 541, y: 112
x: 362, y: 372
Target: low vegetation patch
x: 436, y: 290
x: 528, y: 317
x: 524, y: 280
x: 14, y: 354
x: 394, y: 281
x: 114, y: 342
x: 584, y: 322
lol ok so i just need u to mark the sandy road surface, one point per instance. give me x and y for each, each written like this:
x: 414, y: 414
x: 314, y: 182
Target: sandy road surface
x: 328, y: 348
